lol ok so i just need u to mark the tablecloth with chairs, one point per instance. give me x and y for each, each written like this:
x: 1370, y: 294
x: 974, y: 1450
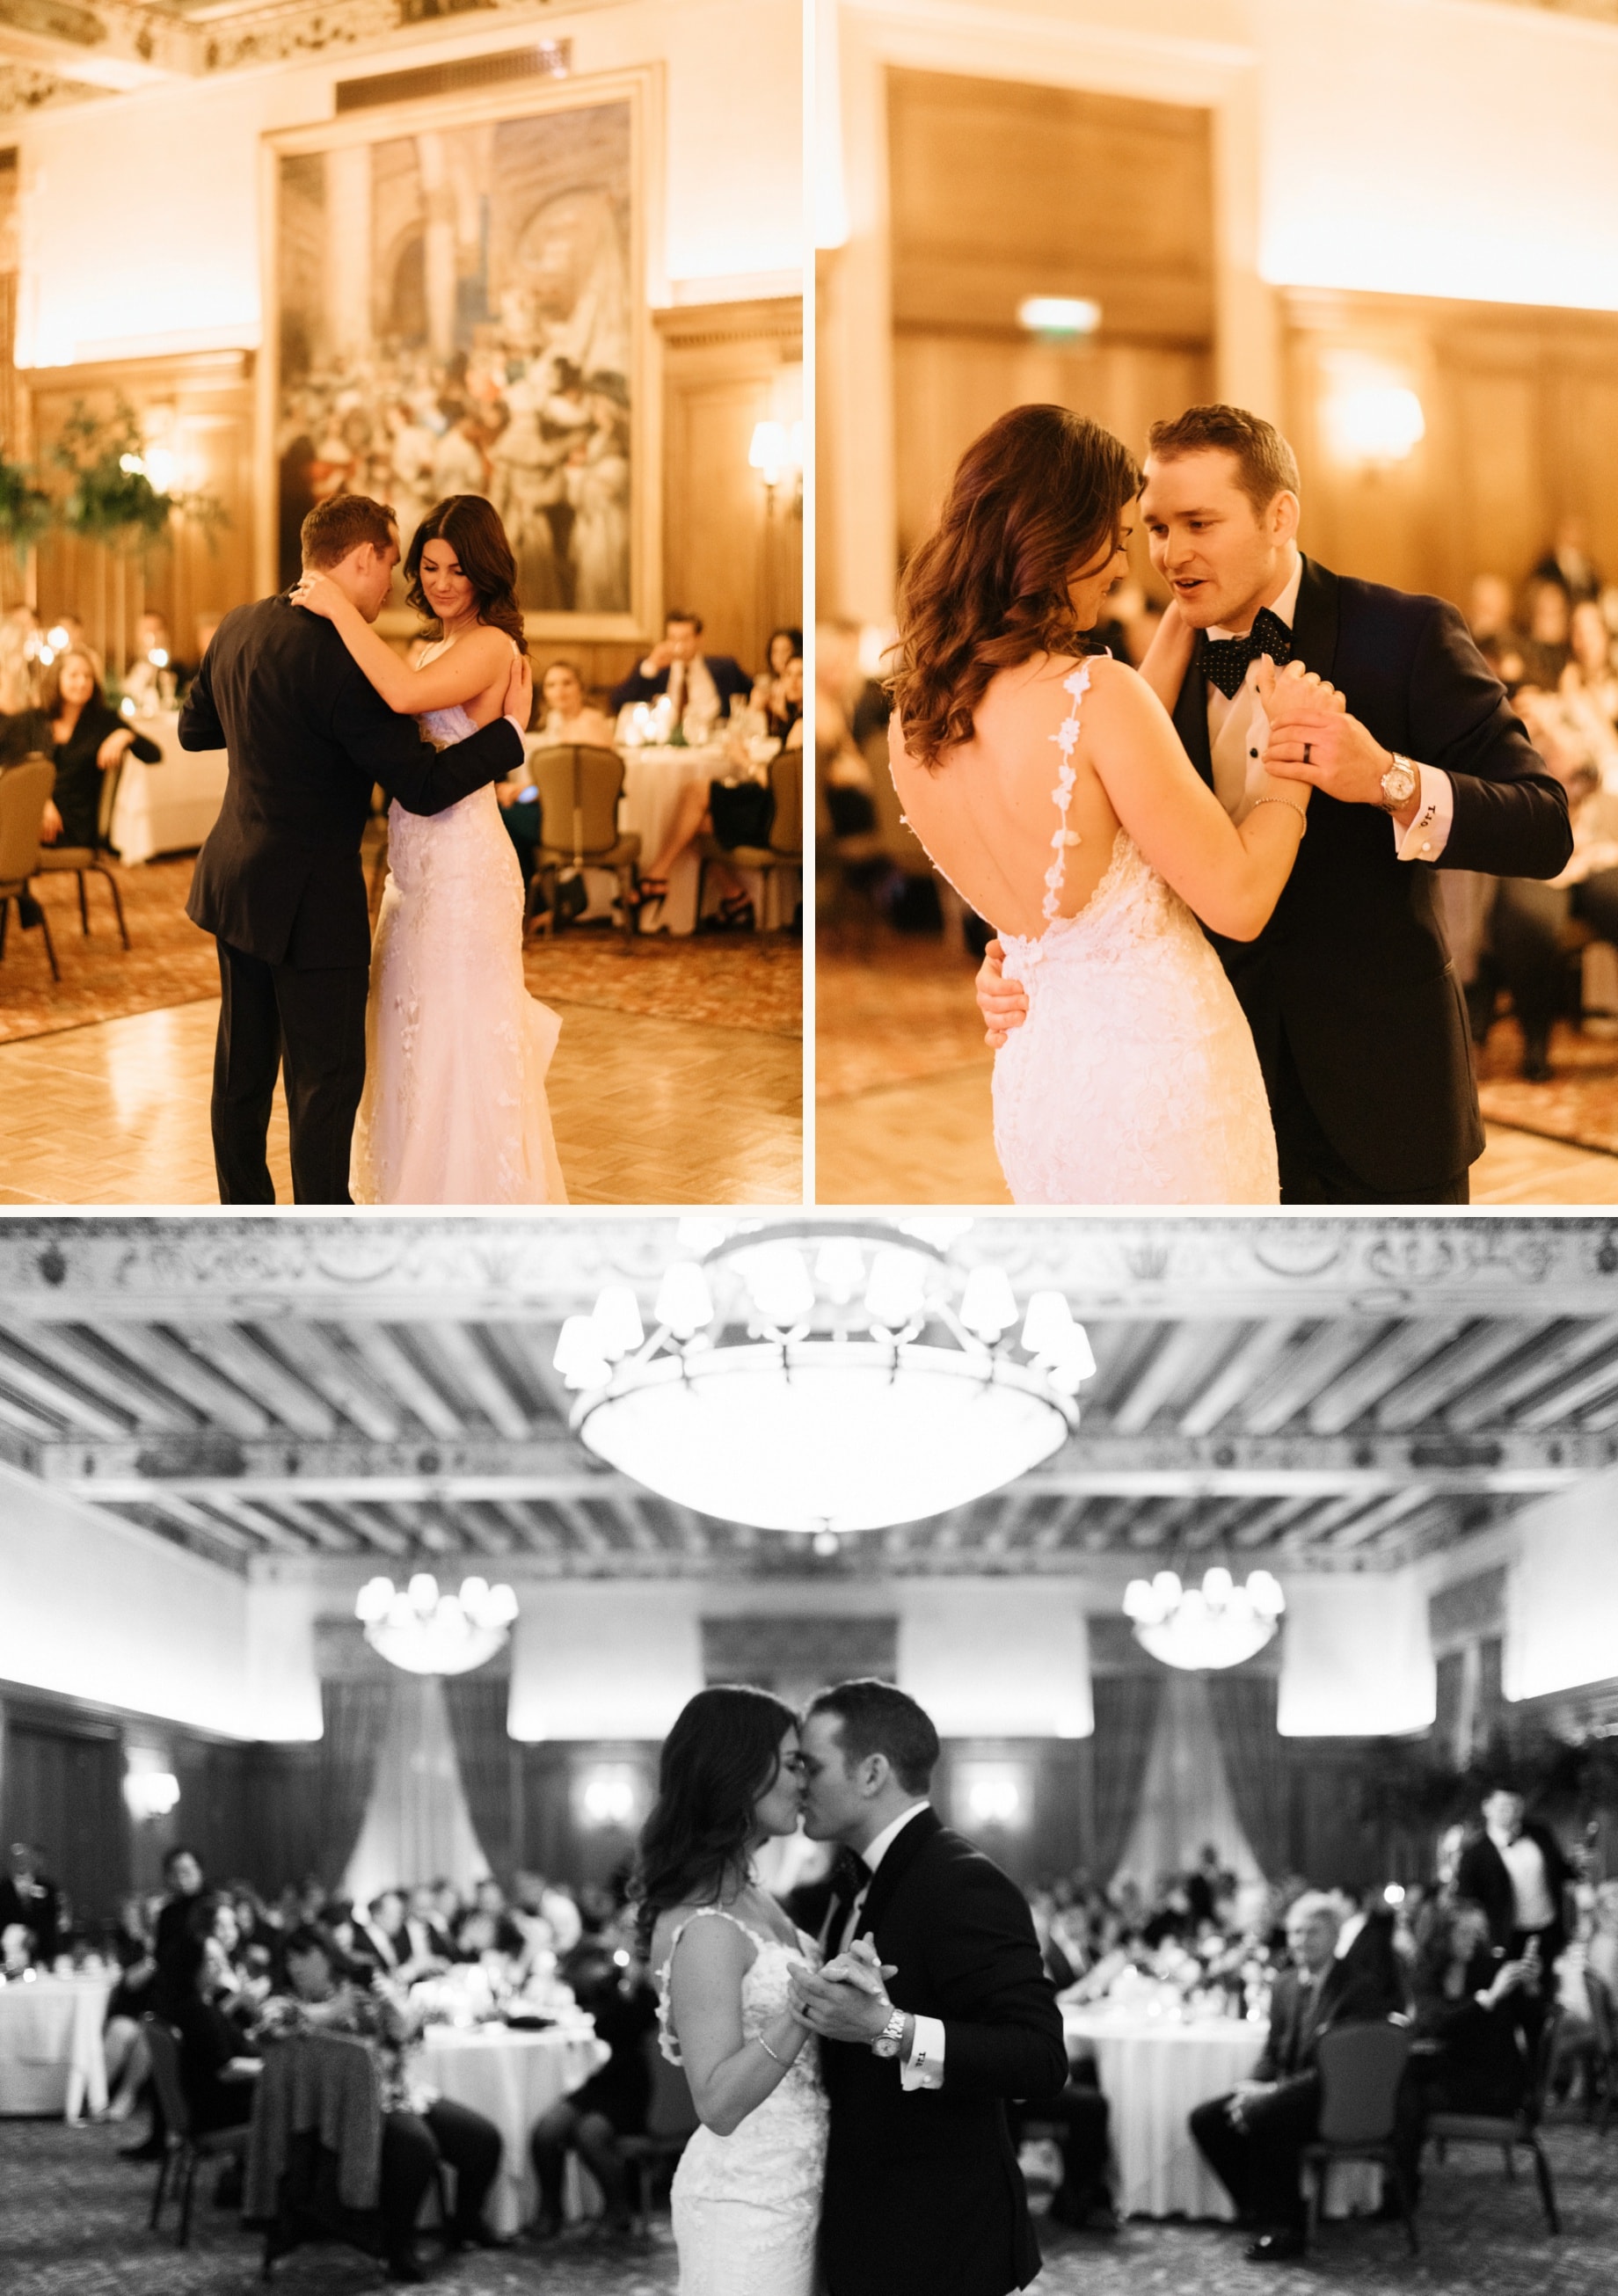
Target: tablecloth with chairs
x: 50, y: 2056
x: 168, y: 809
x: 511, y: 2077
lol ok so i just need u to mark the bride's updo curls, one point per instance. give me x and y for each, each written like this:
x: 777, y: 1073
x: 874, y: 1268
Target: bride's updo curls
x: 472, y: 528
x: 720, y: 1757
x: 1035, y: 499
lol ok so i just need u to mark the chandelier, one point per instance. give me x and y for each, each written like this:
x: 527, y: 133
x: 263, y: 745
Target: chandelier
x: 804, y: 1376
x: 1217, y: 1624
x: 425, y: 1632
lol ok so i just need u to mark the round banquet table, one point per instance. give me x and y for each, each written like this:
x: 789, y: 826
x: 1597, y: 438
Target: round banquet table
x: 1154, y: 2070
x: 166, y: 809
x: 50, y: 2056
x: 511, y: 2077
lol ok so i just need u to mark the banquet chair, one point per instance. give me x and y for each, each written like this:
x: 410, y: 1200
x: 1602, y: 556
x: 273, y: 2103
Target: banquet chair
x: 1361, y: 2066
x: 785, y: 848
x: 23, y: 792
x: 580, y: 786
x: 1604, y: 2022
x: 1510, y: 2130
x: 87, y: 860
x: 671, y: 2121
x: 185, y: 2146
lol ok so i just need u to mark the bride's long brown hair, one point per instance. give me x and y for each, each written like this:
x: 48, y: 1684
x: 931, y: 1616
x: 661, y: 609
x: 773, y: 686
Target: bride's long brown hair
x: 1033, y: 500
x: 472, y: 528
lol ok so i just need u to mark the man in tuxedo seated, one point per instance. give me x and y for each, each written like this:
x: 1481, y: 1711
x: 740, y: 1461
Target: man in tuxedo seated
x: 1253, y: 2136
x: 29, y: 1902
x: 1081, y: 2113
x: 697, y: 684
x: 1518, y: 1875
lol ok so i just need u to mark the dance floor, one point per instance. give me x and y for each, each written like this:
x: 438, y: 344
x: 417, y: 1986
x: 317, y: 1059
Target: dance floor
x: 74, y: 2224
x: 678, y: 1077
x: 902, y: 1107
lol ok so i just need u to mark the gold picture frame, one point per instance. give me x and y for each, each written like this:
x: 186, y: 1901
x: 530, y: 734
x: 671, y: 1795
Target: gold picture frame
x: 486, y: 252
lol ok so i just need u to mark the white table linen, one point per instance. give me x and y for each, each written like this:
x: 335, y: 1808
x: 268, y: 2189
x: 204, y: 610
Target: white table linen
x: 168, y: 809
x: 511, y: 2077
x: 50, y: 2056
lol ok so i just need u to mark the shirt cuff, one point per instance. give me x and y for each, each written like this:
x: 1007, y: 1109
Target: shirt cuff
x: 1429, y: 833
x: 515, y: 723
x: 923, y: 2067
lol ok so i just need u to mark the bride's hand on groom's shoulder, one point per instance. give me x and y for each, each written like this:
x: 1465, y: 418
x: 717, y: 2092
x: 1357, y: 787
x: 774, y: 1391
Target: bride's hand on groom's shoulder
x: 319, y: 594
x: 1003, y: 1004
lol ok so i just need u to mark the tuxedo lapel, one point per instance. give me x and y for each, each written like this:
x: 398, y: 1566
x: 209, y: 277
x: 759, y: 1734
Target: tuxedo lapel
x: 1314, y: 629
x: 1191, y: 722
x: 908, y: 1847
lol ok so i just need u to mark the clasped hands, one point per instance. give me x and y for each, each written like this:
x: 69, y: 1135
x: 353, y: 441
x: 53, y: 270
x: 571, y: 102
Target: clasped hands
x: 848, y: 1999
x: 1313, y: 739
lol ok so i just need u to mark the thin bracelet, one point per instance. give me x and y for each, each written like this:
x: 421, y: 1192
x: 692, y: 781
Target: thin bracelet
x: 1291, y: 808
x: 784, y: 2062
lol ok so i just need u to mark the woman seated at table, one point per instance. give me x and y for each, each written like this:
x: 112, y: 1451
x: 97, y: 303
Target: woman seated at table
x: 327, y: 1994
x: 123, y: 2043
x: 612, y: 2103
x: 784, y: 710
x: 86, y: 739
x: 217, y: 2067
x: 785, y: 646
x: 1463, y: 1996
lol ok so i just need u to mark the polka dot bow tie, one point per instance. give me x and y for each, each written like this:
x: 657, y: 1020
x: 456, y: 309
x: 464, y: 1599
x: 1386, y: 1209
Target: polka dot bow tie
x: 1227, y: 661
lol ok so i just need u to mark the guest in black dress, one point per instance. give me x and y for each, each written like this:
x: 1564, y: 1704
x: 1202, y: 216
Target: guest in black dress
x: 86, y: 739
x: 612, y: 2103
x: 217, y: 2069
x: 1469, y: 2056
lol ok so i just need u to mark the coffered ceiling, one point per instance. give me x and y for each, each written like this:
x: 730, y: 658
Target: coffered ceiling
x: 1332, y: 1394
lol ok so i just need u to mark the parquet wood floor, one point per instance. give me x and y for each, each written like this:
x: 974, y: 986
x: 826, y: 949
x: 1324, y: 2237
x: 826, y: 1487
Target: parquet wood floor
x: 646, y: 1111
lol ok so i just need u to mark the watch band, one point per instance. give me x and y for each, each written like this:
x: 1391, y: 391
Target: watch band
x: 1401, y: 765
x: 890, y: 2040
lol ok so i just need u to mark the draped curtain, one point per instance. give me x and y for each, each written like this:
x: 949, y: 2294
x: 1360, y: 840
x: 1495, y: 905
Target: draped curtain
x: 1126, y: 1709
x: 1255, y: 1763
x: 477, y: 1705
x: 356, y: 1716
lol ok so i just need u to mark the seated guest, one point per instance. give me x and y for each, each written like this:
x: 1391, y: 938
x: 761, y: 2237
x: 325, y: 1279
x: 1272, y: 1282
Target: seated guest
x: 785, y: 645
x: 1490, y: 614
x: 1567, y: 563
x: 1253, y: 2136
x: 565, y: 713
x: 1545, y: 648
x: 1465, y: 1989
x: 152, y: 675
x: 1518, y: 1875
x: 329, y: 1995
x: 1590, y: 672
x: 486, y: 1926
x: 432, y: 1944
x: 129, y: 1945
x: 612, y: 2103
x: 1601, y: 1947
x: 536, y: 1907
x: 699, y: 685
x: 84, y: 739
x: 784, y: 710
x: 1084, y: 2197
x: 380, y: 1937
x: 32, y: 1903
x: 216, y: 2069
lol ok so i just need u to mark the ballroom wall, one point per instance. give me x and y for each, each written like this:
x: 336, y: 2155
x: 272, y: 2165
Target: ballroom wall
x: 1378, y: 173
x: 137, y: 271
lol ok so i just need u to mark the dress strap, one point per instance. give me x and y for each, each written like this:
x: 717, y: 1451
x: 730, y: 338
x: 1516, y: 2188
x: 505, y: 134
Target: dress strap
x: 1066, y: 738
x: 668, y: 2040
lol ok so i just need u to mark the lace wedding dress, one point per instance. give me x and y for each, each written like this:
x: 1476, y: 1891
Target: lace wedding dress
x: 454, y: 1109
x: 1134, y: 1079
x: 747, y: 2206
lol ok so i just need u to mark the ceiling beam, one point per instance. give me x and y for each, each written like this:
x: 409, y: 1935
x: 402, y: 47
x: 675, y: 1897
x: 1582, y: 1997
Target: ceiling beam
x: 1560, y: 1349
x: 473, y: 1371
x: 311, y: 1350
x: 81, y: 1355
x: 1378, y: 1373
x: 220, y: 1403
x: 44, y: 1386
x: 1248, y: 1362
x: 399, y: 1375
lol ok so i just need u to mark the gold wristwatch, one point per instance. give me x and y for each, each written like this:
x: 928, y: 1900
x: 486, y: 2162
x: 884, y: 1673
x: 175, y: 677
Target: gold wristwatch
x: 890, y: 2040
x: 1400, y: 784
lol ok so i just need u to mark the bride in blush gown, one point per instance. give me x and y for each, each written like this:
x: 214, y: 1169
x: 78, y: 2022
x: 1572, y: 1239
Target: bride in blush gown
x: 456, y: 1050
x: 747, y: 2192
x: 1050, y: 789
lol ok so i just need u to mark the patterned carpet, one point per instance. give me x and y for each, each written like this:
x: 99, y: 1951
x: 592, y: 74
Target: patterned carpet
x: 72, y: 2223
x: 721, y: 981
x: 1579, y: 1103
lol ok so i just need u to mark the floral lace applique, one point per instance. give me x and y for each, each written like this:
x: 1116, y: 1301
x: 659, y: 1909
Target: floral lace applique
x: 1066, y: 739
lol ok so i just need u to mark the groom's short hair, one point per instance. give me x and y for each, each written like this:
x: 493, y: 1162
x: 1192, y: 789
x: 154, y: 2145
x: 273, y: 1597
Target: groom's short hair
x: 1265, y: 465
x: 340, y: 524
x: 878, y: 1719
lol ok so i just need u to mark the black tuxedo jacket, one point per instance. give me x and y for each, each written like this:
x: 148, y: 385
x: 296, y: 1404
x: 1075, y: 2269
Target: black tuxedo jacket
x: 1353, y: 1991
x: 280, y: 875
x: 1483, y: 1875
x: 922, y: 2193
x: 1352, y: 972
x: 727, y: 674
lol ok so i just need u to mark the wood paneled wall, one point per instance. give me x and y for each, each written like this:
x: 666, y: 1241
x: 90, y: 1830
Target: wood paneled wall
x: 729, y: 553
x: 1001, y: 191
x: 726, y: 552
x: 1522, y: 428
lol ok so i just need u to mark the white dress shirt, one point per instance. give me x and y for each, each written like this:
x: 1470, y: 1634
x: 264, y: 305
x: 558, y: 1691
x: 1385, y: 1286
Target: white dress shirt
x: 690, y: 688
x: 1531, y: 1906
x: 923, y: 2064
x: 1238, y: 728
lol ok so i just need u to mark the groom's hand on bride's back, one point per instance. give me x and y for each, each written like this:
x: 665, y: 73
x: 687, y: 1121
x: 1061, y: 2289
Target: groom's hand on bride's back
x: 1004, y: 1004
x: 519, y: 691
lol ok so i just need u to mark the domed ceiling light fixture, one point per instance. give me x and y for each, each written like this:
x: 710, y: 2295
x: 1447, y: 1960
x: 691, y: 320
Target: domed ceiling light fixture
x: 825, y: 1378
x: 1210, y: 1627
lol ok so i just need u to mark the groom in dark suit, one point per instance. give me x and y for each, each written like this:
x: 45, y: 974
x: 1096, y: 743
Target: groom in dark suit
x: 278, y: 882
x: 1358, y: 1017
x: 922, y: 2193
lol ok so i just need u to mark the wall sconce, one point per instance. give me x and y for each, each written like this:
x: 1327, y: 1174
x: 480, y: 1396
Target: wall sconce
x: 776, y: 453
x: 606, y: 1800
x: 991, y: 1795
x: 1371, y: 419
x: 1059, y: 318
x: 151, y: 1794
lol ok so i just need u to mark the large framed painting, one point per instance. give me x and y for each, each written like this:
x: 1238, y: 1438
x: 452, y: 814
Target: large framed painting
x: 456, y: 303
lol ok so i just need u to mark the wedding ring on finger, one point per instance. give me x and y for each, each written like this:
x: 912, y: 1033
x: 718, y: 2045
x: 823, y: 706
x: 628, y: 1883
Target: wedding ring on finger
x: 1306, y: 750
